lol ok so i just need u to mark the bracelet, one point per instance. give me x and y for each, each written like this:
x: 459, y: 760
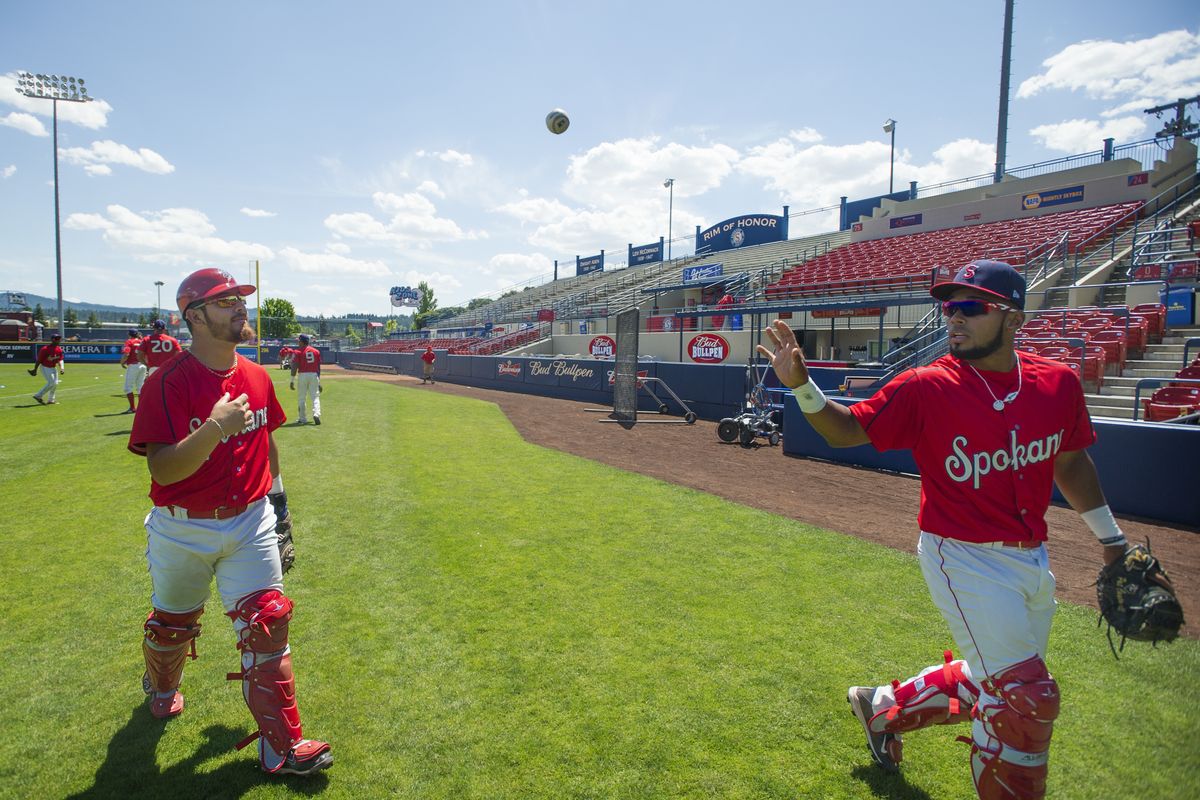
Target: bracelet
x: 1105, y: 528
x: 222, y: 430
x: 810, y: 397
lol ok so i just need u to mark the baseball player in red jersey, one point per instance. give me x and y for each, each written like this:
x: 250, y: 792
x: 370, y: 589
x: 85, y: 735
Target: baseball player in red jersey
x: 990, y: 429
x: 50, y: 362
x: 428, y: 357
x: 214, y: 468
x: 135, y: 370
x: 306, y: 360
x: 285, y: 357
x: 158, y: 348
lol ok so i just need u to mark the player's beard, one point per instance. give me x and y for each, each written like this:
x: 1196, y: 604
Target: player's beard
x: 981, y: 351
x: 230, y: 332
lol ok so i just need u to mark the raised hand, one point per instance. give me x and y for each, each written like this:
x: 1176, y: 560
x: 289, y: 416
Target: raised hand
x: 787, y: 359
x: 232, y: 416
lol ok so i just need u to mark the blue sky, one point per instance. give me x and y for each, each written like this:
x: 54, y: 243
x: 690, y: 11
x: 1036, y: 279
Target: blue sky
x: 355, y: 146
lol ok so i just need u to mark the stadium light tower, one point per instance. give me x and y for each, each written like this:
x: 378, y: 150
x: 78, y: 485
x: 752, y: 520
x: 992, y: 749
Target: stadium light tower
x: 889, y: 126
x: 55, y: 88
x: 158, y: 306
x: 669, y: 183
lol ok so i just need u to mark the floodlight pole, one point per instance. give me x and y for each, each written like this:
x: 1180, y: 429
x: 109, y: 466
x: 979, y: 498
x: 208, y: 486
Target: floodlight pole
x: 669, y: 183
x: 158, y: 306
x: 54, y: 88
x: 890, y: 127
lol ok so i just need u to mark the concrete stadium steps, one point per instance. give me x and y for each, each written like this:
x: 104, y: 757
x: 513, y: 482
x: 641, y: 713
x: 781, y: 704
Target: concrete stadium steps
x: 1161, y: 360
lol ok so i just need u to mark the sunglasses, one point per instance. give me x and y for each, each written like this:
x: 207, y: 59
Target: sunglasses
x: 229, y: 301
x: 970, y: 308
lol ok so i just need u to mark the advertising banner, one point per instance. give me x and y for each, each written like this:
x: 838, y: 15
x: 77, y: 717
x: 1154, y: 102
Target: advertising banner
x: 907, y: 221
x: 1051, y: 197
x: 405, y: 296
x: 708, y: 348
x: 743, y: 231
x: 700, y: 273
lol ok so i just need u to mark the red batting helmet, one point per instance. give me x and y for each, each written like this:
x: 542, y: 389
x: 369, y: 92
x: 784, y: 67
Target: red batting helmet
x: 205, y: 284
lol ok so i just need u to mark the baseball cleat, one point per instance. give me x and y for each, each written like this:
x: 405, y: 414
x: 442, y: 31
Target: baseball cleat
x: 884, y: 747
x: 166, y: 707
x: 128, y: 411
x: 40, y: 400
x: 307, y: 757
x: 317, y: 420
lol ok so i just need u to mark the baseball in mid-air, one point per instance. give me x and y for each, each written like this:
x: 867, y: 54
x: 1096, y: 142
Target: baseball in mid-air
x: 557, y: 121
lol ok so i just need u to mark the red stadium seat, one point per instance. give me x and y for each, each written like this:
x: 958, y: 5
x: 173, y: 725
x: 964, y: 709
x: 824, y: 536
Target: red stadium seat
x: 1171, y: 402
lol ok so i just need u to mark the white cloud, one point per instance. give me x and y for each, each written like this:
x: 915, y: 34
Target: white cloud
x: 539, y: 210
x: 413, y: 220
x: 509, y: 268
x: 441, y: 283
x: 9, y: 171
x: 92, y: 115
x: 258, y: 212
x: 331, y: 264
x: 26, y: 123
x: 1162, y: 67
x: 612, y: 173
x: 341, y: 248
x: 1082, y: 135
x: 110, y: 152
x: 456, y: 158
x: 98, y: 169
x: 806, y: 136
x: 431, y: 187
x: 183, y: 236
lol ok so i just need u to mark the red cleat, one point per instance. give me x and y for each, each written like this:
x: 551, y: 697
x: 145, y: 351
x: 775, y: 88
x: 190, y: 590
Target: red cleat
x: 166, y: 707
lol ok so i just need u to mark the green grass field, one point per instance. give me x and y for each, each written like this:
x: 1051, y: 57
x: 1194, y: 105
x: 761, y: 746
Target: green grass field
x: 477, y: 617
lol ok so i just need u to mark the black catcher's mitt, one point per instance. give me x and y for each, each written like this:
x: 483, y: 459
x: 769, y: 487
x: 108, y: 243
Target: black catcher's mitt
x: 1137, y: 599
x: 283, y: 530
x: 33, y: 372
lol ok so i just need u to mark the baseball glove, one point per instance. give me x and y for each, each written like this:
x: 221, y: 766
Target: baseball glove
x: 1137, y: 599
x: 283, y: 530
x: 33, y: 372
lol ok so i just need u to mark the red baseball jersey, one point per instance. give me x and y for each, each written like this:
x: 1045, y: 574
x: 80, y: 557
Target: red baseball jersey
x: 428, y: 357
x: 986, y: 475
x: 129, y: 351
x: 177, y: 400
x: 50, y: 355
x: 307, y: 359
x: 284, y: 352
x: 159, y: 348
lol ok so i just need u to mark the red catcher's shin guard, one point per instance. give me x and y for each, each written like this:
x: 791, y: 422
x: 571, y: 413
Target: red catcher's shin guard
x: 1010, y: 751
x: 169, y: 641
x: 941, y: 695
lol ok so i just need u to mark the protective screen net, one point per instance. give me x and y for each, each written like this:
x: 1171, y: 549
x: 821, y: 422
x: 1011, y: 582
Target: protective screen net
x: 625, y: 371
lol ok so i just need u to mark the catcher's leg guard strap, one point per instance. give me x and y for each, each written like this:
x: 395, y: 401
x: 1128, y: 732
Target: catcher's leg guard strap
x: 940, y: 695
x: 268, y: 685
x: 170, y: 639
x: 1010, y: 751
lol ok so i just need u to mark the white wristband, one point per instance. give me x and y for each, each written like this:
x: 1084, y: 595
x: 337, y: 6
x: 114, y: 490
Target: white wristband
x: 1101, y: 521
x: 810, y: 397
x: 276, y: 485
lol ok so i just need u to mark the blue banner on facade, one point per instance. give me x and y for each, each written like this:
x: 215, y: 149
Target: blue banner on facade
x: 645, y: 253
x: 743, y: 231
x: 700, y: 273
x: 907, y: 221
x: 852, y: 210
x: 1051, y: 197
x: 590, y: 264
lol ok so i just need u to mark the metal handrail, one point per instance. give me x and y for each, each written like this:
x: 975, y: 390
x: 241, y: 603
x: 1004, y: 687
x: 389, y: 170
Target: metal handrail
x: 1187, y: 346
x: 1157, y: 383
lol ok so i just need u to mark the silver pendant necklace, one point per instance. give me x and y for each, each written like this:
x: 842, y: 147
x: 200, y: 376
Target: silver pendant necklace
x: 997, y: 403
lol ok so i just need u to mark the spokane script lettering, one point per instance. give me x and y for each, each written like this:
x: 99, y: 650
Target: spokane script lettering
x: 559, y: 369
x: 965, y: 466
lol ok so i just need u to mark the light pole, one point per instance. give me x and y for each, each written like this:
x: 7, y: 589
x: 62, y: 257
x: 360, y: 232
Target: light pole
x: 54, y: 88
x: 890, y: 127
x: 669, y: 183
x: 158, y: 306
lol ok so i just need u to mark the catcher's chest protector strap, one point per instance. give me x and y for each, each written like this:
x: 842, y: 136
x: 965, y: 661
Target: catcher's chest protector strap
x: 166, y: 646
x: 1010, y: 751
x: 941, y: 695
x: 268, y: 685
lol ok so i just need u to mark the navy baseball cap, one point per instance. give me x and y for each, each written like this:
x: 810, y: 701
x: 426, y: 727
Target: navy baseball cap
x: 132, y: 332
x: 990, y: 277
x: 303, y: 337
x: 158, y: 323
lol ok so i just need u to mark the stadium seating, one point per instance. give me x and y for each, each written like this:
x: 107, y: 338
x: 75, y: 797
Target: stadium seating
x: 459, y: 344
x: 907, y: 262
x: 1170, y: 402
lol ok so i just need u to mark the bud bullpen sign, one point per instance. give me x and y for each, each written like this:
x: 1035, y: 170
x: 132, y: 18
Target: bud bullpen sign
x: 708, y: 348
x: 602, y: 347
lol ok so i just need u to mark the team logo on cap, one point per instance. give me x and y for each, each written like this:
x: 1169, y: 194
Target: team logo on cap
x: 968, y: 272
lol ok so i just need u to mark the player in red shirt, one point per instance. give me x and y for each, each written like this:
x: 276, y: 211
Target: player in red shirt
x: 285, y: 357
x: 50, y: 361
x: 158, y: 348
x: 306, y: 360
x: 427, y: 369
x: 214, y: 468
x: 991, y: 430
x: 135, y: 370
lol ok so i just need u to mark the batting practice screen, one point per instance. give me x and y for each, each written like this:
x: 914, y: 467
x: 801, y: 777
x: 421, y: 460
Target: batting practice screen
x: 625, y: 370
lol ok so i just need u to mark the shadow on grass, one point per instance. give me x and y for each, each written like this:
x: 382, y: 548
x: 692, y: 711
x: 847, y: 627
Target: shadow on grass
x: 113, y: 414
x: 119, y: 433
x: 888, y: 784
x: 130, y: 771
